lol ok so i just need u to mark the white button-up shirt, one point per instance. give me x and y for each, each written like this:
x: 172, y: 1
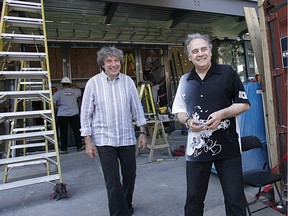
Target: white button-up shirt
x: 108, y: 110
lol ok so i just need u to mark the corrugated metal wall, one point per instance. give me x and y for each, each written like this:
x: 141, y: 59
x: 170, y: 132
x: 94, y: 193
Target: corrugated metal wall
x: 276, y: 19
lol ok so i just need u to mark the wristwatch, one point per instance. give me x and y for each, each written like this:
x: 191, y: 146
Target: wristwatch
x: 186, y: 122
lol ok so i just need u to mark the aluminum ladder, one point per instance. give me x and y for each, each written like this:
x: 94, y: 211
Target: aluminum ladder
x: 27, y: 112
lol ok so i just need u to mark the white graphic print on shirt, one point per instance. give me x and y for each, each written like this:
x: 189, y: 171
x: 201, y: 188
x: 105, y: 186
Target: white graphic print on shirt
x: 199, y: 142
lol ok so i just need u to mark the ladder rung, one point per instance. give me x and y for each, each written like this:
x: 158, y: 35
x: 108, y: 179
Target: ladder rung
x: 26, y: 114
x: 23, y: 38
x: 26, y: 136
x: 32, y: 83
x: 23, y: 94
x: 30, y: 128
x: 33, y: 157
x: 23, y: 22
x: 32, y: 69
x: 23, y: 3
x: 19, y: 56
x: 27, y: 163
x: 23, y: 74
x: 30, y: 181
x: 34, y: 87
x: 24, y: 6
x: 30, y: 145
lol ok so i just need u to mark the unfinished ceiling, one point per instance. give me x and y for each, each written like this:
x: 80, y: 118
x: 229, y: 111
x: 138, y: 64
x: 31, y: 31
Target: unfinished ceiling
x: 122, y: 22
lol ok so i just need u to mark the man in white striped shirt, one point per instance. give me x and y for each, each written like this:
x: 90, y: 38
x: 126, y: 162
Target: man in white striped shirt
x: 110, y: 104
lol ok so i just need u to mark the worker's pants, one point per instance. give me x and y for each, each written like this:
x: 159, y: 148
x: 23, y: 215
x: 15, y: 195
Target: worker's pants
x: 230, y: 175
x: 74, y: 121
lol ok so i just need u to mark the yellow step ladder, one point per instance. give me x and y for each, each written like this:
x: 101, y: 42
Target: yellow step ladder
x: 145, y: 95
x: 30, y: 139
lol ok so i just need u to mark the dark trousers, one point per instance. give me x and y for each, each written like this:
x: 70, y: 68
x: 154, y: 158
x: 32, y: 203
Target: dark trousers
x: 63, y: 122
x: 230, y: 175
x: 120, y: 194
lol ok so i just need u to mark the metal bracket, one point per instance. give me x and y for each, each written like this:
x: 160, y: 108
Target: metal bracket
x: 271, y: 17
x: 278, y: 71
x: 282, y: 129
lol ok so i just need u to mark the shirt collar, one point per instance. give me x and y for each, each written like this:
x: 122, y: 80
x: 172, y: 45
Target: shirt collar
x: 104, y: 75
x: 214, y: 69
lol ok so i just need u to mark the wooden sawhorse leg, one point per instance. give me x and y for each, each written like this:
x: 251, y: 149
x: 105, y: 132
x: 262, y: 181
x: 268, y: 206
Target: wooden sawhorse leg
x: 154, y: 145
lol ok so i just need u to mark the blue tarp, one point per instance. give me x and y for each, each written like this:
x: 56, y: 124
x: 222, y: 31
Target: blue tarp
x: 252, y: 123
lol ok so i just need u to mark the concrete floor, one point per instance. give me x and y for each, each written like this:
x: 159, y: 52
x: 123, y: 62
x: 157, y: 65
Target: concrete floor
x: 160, y: 189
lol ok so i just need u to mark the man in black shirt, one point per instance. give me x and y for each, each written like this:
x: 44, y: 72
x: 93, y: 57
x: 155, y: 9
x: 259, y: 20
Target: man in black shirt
x: 207, y: 101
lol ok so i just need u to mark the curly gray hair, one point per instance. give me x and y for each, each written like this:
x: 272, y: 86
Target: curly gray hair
x: 104, y: 52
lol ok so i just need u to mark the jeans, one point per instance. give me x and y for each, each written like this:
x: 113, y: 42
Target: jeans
x: 120, y: 194
x: 230, y: 175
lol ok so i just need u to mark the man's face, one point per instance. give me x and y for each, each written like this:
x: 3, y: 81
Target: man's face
x: 199, y: 53
x: 112, y: 66
x: 54, y: 89
x: 152, y: 52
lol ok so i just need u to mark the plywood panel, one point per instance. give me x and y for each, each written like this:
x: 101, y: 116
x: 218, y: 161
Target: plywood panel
x: 83, y: 62
x: 55, y: 62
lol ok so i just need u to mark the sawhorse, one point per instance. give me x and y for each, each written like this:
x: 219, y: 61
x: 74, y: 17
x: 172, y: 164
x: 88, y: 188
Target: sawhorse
x: 157, y: 141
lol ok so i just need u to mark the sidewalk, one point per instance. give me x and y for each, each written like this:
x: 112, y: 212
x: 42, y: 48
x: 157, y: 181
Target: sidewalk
x: 160, y: 189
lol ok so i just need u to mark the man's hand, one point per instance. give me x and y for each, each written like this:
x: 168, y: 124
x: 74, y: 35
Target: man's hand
x: 90, y: 148
x: 142, y: 141
x: 195, y: 125
x: 234, y: 110
x: 213, y: 120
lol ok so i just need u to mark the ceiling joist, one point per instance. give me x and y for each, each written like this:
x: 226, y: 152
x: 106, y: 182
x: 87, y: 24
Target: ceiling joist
x: 179, y: 17
x: 112, y: 7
